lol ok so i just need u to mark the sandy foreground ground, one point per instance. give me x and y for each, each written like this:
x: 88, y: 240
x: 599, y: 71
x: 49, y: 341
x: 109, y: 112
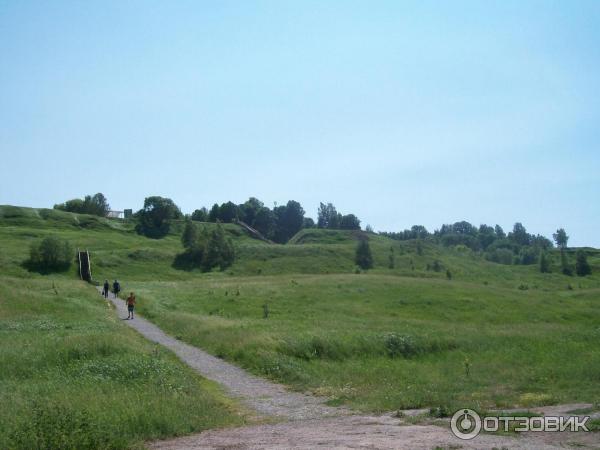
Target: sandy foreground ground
x: 369, y: 432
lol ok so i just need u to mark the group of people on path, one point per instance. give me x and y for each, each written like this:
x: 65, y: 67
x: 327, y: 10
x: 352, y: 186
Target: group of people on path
x: 116, y: 289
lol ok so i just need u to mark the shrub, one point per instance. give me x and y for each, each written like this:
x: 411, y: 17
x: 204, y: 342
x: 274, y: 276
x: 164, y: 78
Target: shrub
x: 50, y: 255
x: 528, y: 255
x: 582, y: 267
x: 363, y: 257
x: 399, y: 345
x: 544, y: 263
x: 564, y: 263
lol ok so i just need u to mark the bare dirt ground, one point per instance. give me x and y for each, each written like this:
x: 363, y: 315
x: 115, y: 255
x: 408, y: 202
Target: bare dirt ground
x: 305, y: 422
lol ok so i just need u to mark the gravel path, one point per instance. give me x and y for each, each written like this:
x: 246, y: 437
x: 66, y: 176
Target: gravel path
x: 265, y: 397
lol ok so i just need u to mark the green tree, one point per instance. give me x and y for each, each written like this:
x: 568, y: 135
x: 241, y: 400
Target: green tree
x: 156, y: 216
x: 189, y: 237
x: 391, y: 259
x: 218, y: 251
x: 200, y: 215
x: 500, y: 234
x: 289, y: 220
x: 249, y: 210
x: 97, y: 204
x: 363, y: 256
x: 349, y: 222
x: 308, y: 223
x: 228, y: 212
x: 419, y: 247
x: 264, y: 222
x: 327, y: 216
x: 486, y: 236
x: 519, y: 235
x: 52, y: 254
x: 213, y: 215
x: 561, y: 238
x: 544, y: 262
x: 564, y: 263
x: 582, y: 267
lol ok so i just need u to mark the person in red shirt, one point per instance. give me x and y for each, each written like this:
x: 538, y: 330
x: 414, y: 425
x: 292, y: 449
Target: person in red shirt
x: 130, y: 305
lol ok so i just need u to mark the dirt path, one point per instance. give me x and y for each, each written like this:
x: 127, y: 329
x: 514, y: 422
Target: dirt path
x: 267, y: 398
x: 309, y: 423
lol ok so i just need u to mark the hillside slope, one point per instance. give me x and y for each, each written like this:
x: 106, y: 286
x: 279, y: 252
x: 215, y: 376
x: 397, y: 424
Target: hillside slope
x: 401, y: 337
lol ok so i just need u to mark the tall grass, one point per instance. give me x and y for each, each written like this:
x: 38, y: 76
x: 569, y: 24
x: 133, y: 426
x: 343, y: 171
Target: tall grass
x: 72, y: 376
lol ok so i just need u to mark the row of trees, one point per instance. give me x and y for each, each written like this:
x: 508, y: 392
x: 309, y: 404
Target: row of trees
x: 282, y: 222
x: 582, y: 267
x: 91, y: 204
x: 516, y: 247
x: 278, y: 224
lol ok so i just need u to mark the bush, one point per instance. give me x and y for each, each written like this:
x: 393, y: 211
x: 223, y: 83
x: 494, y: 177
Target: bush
x: 398, y: 345
x: 50, y: 255
x: 582, y: 267
x: 528, y: 255
x: 363, y: 257
x: 544, y: 263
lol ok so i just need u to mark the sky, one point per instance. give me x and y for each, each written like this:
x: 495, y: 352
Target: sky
x: 402, y: 113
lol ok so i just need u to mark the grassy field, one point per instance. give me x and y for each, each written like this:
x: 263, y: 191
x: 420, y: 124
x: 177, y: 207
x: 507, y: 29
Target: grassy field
x: 73, y: 376
x: 380, y: 342
x: 492, y: 336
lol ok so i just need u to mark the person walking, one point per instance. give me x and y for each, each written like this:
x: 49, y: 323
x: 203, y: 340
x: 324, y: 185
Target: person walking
x: 130, y: 305
x: 116, y: 288
x: 105, y: 289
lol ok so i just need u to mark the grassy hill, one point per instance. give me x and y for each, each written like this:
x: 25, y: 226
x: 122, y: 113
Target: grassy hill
x: 72, y: 375
x: 492, y: 336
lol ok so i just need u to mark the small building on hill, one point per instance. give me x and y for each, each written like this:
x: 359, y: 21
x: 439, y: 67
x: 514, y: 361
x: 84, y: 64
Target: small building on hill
x: 115, y: 214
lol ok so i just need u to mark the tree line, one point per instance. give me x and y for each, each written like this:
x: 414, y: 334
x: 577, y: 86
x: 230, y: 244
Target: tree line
x: 282, y: 222
x: 515, y: 247
x: 278, y: 224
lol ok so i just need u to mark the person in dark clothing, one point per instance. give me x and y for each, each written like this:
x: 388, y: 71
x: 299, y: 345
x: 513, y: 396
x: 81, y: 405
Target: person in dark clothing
x: 116, y: 288
x: 105, y: 289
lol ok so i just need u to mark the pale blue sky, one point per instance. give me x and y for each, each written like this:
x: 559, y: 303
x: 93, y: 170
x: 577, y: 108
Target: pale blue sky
x: 400, y: 112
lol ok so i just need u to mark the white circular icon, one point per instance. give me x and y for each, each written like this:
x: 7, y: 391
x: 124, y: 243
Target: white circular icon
x: 465, y: 424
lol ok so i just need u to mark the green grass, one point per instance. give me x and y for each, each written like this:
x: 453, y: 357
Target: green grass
x: 73, y: 376
x: 493, y: 337
x: 380, y: 342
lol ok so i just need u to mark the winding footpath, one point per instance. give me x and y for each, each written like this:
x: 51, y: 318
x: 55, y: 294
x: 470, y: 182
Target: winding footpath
x: 305, y: 422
